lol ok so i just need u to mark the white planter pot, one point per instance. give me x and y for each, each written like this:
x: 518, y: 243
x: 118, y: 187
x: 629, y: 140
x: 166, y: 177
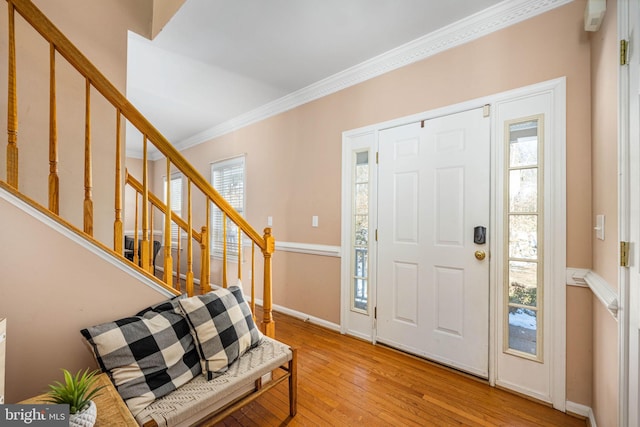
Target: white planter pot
x: 84, y: 418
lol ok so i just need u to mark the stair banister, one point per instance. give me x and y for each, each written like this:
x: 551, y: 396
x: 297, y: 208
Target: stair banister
x: 51, y: 33
x: 93, y: 77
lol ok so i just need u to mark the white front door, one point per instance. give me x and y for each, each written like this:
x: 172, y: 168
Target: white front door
x: 433, y: 191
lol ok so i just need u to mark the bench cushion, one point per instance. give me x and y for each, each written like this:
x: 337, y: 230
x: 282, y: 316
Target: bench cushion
x: 222, y: 326
x: 198, y: 398
x: 147, y: 355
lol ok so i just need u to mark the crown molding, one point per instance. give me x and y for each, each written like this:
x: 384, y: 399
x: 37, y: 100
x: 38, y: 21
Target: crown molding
x: 495, y: 18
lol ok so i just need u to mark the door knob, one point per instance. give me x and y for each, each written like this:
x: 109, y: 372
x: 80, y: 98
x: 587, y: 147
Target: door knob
x: 480, y: 255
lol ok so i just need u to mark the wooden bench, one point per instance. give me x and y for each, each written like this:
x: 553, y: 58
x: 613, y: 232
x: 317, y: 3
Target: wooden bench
x: 199, y: 400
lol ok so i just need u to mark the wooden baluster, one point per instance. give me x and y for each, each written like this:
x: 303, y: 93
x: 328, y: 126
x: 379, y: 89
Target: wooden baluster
x: 239, y: 253
x: 204, y: 271
x: 12, y: 106
x: 168, y: 260
x: 224, y: 250
x: 118, y: 235
x: 253, y: 281
x: 178, y: 284
x: 189, y: 284
x: 268, y: 324
x: 88, y: 201
x: 206, y: 240
x: 144, y: 249
x: 54, y: 180
x: 135, y: 234
x: 151, y: 237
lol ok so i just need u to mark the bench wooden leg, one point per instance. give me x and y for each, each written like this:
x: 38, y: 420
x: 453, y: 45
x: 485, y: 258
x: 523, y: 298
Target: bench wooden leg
x: 293, y: 384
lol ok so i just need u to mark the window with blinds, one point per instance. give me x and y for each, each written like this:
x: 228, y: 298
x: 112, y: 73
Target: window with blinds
x: 227, y: 177
x: 176, y: 201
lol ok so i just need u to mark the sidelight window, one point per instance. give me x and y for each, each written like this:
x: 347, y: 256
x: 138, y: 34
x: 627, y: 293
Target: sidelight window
x: 523, y: 231
x: 360, y: 237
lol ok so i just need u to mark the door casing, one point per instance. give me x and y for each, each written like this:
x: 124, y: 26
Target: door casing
x: 364, y: 327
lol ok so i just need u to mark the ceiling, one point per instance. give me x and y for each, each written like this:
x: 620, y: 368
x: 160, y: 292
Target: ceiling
x: 216, y: 60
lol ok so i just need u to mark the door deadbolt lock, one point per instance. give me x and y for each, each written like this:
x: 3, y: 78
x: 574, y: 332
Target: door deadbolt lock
x: 480, y: 255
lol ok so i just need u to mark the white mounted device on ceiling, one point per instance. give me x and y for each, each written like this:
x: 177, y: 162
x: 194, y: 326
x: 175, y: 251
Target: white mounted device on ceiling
x: 594, y: 14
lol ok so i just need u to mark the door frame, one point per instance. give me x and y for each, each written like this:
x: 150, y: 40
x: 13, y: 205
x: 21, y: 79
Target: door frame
x: 369, y: 134
x: 628, y: 221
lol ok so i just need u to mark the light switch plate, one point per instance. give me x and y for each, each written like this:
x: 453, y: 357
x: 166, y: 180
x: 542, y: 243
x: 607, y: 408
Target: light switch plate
x: 599, y: 227
x: 269, y: 221
x: 314, y: 221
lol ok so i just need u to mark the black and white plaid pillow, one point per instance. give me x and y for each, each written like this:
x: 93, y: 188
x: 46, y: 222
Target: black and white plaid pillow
x: 147, y: 355
x: 222, y: 326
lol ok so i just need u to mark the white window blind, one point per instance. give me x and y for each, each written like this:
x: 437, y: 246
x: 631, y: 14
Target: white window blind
x: 176, y: 201
x: 227, y: 177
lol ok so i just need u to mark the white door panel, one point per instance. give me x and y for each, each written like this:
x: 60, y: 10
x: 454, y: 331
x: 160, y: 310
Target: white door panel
x: 433, y: 294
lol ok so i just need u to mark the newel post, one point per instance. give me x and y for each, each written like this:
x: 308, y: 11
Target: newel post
x: 268, y: 324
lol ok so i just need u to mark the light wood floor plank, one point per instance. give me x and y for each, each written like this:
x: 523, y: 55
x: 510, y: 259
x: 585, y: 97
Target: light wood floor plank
x: 344, y: 381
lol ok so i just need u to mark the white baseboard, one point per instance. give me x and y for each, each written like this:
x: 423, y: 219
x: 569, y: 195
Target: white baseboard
x: 279, y: 308
x: 299, y: 315
x: 583, y: 411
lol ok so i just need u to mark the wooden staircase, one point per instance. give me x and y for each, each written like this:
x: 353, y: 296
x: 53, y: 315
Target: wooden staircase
x: 98, y: 90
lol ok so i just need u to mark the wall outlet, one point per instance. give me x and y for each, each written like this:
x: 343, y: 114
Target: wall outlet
x: 314, y: 221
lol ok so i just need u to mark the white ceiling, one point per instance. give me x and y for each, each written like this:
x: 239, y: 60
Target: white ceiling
x: 219, y: 59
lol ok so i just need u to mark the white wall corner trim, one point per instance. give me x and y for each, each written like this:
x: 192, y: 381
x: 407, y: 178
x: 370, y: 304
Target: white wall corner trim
x: 75, y: 237
x: 492, y: 19
x: 299, y: 315
x: 575, y: 277
x: 309, y: 249
x: 583, y: 411
x: 605, y: 293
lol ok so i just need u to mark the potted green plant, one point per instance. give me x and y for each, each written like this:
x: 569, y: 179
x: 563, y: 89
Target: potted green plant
x: 77, y: 391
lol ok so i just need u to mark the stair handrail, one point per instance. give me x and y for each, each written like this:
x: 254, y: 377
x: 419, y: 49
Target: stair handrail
x: 93, y: 77
x: 86, y: 68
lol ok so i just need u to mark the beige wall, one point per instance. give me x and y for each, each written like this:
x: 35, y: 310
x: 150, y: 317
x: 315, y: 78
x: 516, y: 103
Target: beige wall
x: 604, y: 125
x: 49, y: 291
x: 605, y: 366
x: 163, y: 11
x: 293, y: 160
x: 580, y: 344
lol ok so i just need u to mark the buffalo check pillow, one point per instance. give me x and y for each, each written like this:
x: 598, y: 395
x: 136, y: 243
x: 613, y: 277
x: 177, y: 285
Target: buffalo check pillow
x: 147, y: 355
x: 222, y: 327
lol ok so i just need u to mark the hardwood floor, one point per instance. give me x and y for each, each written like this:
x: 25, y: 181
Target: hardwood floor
x: 343, y: 381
